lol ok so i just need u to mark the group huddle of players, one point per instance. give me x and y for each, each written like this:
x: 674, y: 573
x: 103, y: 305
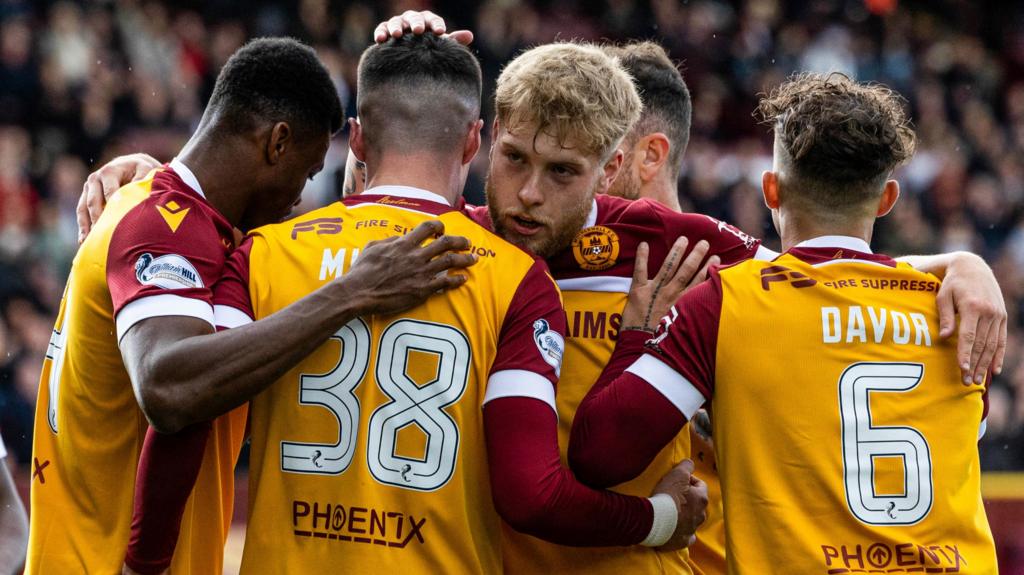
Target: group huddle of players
x: 393, y: 357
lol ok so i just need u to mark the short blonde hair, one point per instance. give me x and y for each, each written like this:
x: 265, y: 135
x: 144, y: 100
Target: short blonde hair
x: 572, y: 91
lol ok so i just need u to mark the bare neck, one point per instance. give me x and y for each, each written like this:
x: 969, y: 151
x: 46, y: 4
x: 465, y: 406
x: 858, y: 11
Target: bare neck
x: 662, y: 191
x: 425, y: 171
x: 797, y: 227
x: 216, y: 166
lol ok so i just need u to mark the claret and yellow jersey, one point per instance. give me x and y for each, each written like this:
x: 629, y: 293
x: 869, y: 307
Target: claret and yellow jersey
x: 157, y: 250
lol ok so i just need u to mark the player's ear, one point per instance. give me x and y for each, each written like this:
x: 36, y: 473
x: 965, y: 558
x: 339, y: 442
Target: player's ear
x: 770, y: 189
x: 355, y: 139
x: 653, y: 150
x: 472, y: 142
x: 611, y: 169
x: 277, y: 144
x: 890, y: 194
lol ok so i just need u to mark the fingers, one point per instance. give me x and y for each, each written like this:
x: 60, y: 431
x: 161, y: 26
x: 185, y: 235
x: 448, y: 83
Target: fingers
x: 984, y: 348
x: 672, y: 260
x: 640, y: 264
x: 445, y: 282
x: 433, y: 22
x: 450, y: 260
x: 947, y: 312
x: 686, y: 466
x: 146, y: 163
x: 997, y: 360
x: 445, y: 244
x: 423, y: 232
x: 703, y: 273
x: 417, y: 23
x: 464, y: 37
x: 965, y: 343
x: 82, y: 214
x: 687, y: 271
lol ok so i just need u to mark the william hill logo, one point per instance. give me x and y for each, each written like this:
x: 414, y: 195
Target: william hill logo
x: 774, y: 274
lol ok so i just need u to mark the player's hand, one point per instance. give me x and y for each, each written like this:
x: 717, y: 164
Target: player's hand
x: 102, y: 184
x: 649, y: 299
x: 418, y: 23
x: 691, y: 497
x: 971, y: 291
x: 126, y: 570
x: 395, y: 274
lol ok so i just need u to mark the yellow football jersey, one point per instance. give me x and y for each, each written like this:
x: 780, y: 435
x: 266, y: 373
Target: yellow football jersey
x: 594, y: 275
x: 845, y: 441
x: 369, y: 456
x: 156, y: 250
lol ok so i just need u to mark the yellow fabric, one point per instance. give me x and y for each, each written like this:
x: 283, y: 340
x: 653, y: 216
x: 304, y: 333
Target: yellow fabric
x: 330, y: 509
x: 707, y: 554
x: 594, y: 320
x: 786, y: 499
x: 81, y: 515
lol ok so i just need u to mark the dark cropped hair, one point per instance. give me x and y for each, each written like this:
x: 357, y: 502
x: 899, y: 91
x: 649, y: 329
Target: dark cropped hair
x: 666, y: 99
x: 276, y: 80
x: 841, y: 138
x: 418, y: 92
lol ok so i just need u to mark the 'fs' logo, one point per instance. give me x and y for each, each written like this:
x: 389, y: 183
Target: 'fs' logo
x: 773, y: 274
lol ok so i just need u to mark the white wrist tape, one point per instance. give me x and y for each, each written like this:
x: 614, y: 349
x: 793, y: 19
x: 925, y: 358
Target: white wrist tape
x: 665, y: 518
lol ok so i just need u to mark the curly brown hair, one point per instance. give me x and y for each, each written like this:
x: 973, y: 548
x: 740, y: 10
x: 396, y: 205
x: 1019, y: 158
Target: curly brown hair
x: 842, y: 138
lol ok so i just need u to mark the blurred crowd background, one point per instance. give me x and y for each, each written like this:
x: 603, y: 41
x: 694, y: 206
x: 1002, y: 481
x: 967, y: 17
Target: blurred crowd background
x: 81, y: 82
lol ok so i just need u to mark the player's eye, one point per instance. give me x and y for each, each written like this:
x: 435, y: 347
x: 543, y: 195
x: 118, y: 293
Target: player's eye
x: 514, y: 157
x: 563, y: 171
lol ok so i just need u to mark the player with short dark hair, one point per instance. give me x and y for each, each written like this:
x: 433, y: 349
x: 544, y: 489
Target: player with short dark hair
x: 655, y: 145
x: 879, y: 468
x: 136, y: 323
x: 402, y: 443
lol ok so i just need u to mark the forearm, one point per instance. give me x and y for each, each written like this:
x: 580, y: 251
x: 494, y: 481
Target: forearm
x: 535, y: 494
x: 168, y: 467
x: 198, y: 378
x: 622, y: 423
x: 937, y: 264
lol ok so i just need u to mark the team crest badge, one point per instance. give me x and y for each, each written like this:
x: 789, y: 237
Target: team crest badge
x: 596, y: 248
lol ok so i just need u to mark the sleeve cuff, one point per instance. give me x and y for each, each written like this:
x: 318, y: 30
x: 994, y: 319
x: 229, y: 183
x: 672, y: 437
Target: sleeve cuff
x: 230, y: 317
x: 520, y: 383
x: 665, y: 519
x: 670, y: 383
x: 161, y: 305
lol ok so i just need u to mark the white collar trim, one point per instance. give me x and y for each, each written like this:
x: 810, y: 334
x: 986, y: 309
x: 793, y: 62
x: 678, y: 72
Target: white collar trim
x: 407, y: 192
x: 847, y: 242
x: 187, y: 176
x: 592, y: 216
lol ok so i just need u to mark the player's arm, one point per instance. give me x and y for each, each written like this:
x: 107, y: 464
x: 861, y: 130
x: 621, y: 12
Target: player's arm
x: 184, y: 373
x: 644, y: 397
x: 531, y: 489
x: 969, y: 289
x: 13, y: 521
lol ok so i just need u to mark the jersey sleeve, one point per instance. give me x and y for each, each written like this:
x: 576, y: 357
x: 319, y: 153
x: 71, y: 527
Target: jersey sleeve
x: 530, y: 344
x: 729, y: 243
x: 680, y: 359
x: 232, y: 304
x: 161, y: 263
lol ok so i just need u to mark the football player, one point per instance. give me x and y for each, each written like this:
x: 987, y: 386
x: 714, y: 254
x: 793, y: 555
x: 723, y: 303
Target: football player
x: 142, y: 283
x: 879, y: 470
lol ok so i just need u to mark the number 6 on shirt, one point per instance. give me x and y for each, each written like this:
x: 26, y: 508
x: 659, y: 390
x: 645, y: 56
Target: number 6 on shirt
x: 862, y: 442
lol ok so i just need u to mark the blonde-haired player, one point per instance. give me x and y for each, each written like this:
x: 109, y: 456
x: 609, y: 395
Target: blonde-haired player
x: 876, y: 468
